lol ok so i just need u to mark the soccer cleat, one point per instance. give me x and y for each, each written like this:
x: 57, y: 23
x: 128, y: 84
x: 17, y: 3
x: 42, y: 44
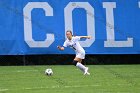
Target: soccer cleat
x: 86, y: 71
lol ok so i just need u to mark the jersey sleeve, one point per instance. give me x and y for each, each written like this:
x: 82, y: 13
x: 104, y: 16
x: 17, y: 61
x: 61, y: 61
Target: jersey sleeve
x: 65, y: 44
x: 77, y: 38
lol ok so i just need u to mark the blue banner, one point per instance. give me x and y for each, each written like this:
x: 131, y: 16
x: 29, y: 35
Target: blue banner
x: 38, y: 26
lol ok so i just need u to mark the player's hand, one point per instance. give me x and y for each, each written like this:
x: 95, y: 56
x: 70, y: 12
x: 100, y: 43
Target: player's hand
x: 89, y: 37
x: 59, y: 47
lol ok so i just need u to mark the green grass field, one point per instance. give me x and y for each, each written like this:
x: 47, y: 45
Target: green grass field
x: 68, y: 79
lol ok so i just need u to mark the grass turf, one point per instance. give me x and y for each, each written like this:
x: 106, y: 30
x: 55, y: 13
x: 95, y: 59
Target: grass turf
x: 68, y: 79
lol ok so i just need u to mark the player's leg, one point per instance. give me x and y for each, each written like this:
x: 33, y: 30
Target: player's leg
x: 86, y: 69
x: 77, y: 62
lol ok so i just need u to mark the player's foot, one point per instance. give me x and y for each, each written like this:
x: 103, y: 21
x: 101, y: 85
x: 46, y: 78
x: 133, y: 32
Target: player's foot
x: 86, y: 71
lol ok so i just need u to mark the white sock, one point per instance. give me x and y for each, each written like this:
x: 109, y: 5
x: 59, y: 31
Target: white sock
x: 81, y: 66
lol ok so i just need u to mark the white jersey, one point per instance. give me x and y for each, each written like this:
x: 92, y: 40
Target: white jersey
x: 74, y: 43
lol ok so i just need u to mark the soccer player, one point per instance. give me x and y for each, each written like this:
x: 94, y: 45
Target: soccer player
x: 73, y: 42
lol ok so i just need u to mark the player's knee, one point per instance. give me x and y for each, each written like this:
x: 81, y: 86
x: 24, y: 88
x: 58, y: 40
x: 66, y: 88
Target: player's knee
x: 74, y: 62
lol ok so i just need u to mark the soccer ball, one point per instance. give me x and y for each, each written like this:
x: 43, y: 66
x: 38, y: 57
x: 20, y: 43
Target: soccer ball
x: 49, y: 72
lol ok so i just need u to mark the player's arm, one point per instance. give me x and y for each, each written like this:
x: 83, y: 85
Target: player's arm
x: 88, y: 37
x: 60, y: 48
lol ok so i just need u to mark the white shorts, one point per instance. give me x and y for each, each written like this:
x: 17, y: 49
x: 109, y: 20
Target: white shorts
x: 80, y: 55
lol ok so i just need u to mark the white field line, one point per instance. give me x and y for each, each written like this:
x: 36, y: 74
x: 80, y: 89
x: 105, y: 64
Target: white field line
x: 26, y: 71
x: 72, y: 86
x: 3, y: 90
x: 53, y: 87
x: 22, y: 71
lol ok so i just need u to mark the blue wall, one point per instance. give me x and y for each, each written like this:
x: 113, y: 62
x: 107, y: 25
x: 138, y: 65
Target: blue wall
x: 38, y: 26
